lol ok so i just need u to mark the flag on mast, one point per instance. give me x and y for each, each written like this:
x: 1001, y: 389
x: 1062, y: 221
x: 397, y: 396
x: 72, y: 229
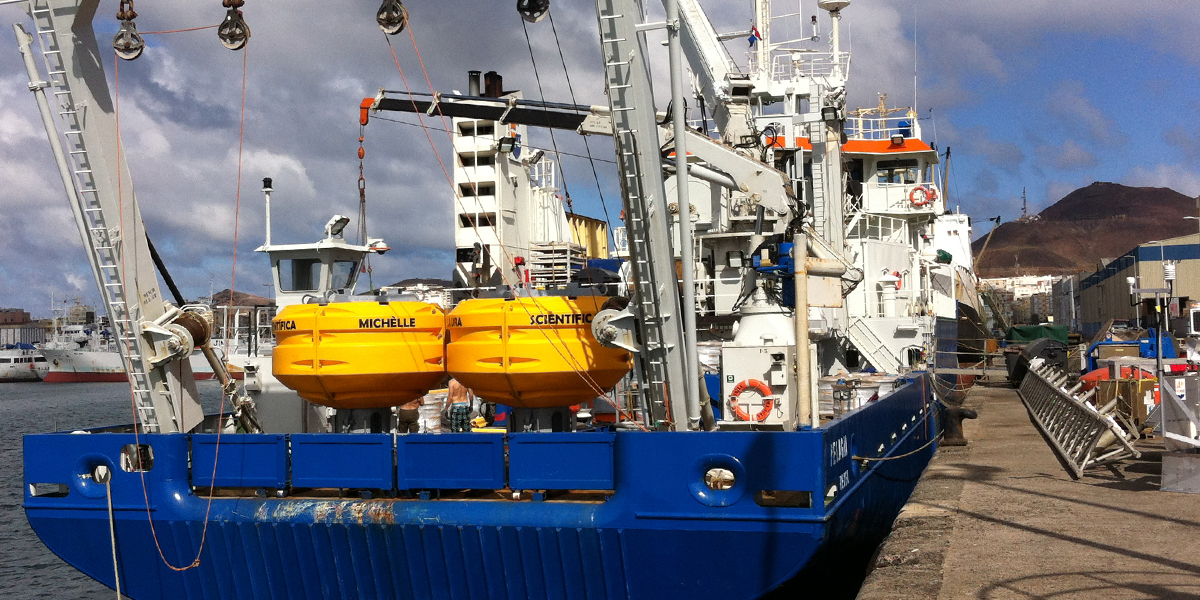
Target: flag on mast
x: 754, y: 35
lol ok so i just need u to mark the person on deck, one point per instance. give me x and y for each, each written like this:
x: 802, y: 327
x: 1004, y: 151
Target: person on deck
x: 459, y: 400
x: 408, y: 417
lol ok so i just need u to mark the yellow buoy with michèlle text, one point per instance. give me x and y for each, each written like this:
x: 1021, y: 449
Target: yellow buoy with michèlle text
x: 532, y: 352
x: 360, y: 354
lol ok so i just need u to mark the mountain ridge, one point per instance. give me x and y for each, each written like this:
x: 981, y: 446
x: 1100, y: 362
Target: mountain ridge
x: 1098, y: 221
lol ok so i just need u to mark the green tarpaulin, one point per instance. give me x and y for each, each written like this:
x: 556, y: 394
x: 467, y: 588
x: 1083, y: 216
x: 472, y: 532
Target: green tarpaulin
x: 1029, y: 333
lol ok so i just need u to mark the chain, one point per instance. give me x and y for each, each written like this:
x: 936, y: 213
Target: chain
x: 362, y: 205
x: 125, y: 12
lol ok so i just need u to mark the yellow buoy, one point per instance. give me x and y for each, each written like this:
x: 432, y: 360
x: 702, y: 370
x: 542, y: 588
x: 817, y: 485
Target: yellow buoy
x: 360, y: 354
x: 532, y: 352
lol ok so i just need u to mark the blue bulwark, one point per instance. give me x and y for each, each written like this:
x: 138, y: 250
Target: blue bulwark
x: 342, y: 460
x: 560, y: 461
x: 246, y: 460
x: 450, y: 461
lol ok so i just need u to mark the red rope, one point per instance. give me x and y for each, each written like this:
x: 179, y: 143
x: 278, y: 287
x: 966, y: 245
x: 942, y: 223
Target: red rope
x: 132, y: 391
x: 569, y: 357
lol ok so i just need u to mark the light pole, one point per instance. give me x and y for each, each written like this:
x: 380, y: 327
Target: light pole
x: 1136, y: 292
x: 1197, y: 220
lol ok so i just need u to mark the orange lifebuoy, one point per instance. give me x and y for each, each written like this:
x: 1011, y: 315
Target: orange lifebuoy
x: 899, y: 279
x: 762, y: 388
x: 928, y: 194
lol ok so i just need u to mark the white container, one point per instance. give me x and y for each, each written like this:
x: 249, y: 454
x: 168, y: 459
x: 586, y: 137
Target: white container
x: 825, y: 395
x: 430, y: 412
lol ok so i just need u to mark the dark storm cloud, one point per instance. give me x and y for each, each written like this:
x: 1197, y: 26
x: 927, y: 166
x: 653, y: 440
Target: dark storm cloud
x: 311, y: 63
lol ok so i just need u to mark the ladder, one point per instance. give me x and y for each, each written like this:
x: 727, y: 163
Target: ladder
x: 871, y: 346
x: 104, y: 251
x: 818, y: 200
x: 649, y: 236
x: 1082, y: 435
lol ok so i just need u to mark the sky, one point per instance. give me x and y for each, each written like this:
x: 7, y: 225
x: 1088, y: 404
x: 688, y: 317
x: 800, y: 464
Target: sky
x: 1044, y: 96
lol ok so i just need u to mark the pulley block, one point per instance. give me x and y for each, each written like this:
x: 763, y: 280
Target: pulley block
x: 234, y: 32
x: 533, y: 10
x: 128, y: 43
x: 392, y: 17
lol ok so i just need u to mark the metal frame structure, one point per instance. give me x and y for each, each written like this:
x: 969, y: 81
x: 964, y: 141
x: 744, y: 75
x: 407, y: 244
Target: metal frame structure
x: 1082, y: 435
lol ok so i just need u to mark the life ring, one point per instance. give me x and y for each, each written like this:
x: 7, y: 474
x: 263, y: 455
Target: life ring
x: 928, y: 194
x: 762, y: 388
x: 899, y: 279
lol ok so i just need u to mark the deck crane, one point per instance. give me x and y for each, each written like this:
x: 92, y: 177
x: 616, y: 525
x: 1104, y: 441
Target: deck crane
x: 155, y: 337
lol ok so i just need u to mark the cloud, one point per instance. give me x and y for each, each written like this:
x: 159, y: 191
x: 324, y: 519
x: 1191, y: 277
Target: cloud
x: 977, y: 141
x: 310, y: 66
x: 1177, y: 177
x: 986, y: 182
x: 1066, y: 156
x: 1184, y: 140
x: 1076, y: 113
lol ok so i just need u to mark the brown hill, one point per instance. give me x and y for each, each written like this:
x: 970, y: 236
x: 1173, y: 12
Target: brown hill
x: 1102, y: 220
x: 221, y: 298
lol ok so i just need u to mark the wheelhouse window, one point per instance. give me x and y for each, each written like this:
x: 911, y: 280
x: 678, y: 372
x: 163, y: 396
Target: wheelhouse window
x: 896, y: 171
x: 299, y: 274
x: 344, y: 273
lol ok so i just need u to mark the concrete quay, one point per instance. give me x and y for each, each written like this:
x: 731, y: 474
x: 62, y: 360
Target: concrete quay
x: 1001, y: 519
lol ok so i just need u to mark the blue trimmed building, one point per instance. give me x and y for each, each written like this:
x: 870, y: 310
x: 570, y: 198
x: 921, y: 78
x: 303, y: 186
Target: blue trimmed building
x: 1105, y: 294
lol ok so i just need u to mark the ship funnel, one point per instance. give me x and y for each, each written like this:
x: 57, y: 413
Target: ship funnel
x: 473, y: 83
x: 493, y: 85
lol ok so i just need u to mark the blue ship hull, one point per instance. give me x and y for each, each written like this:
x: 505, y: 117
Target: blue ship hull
x: 641, y: 523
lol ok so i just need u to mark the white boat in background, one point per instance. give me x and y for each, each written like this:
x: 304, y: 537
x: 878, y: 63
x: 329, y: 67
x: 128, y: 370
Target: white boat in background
x: 77, y: 355
x: 21, y: 362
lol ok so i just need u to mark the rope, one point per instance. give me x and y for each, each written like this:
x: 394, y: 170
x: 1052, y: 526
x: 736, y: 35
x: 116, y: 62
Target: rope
x: 179, y: 30
x: 553, y: 139
x: 112, y: 533
x: 132, y: 392
x: 600, y: 393
x: 905, y: 455
x: 586, y: 145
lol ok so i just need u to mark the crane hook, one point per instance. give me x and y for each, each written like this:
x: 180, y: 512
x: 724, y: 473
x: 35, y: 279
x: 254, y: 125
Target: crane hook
x: 128, y: 43
x: 533, y: 10
x: 392, y: 17
x: 234, y: 32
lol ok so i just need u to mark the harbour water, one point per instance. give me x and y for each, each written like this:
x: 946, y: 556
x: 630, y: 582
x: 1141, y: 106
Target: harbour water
x: 27, y: 568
